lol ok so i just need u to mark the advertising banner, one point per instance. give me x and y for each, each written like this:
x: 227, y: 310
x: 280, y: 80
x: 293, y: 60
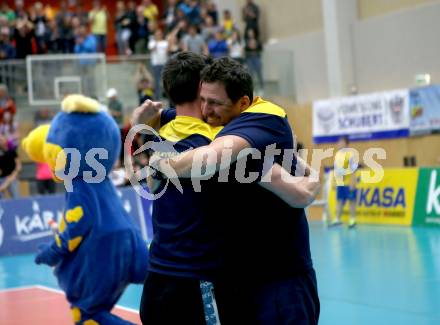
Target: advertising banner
x: 390, y: 201
x: 424, y: 106
x: 365, y: 117
x: 24, y: 222
x: 427, y: 205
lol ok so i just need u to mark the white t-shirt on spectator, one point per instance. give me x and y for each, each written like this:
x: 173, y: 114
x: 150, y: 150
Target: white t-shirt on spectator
x: 159, y: 51
x: 235, y: 50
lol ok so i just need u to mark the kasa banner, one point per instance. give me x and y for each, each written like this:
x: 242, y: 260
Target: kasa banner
x: 425, y: 110
x: 24, y: 222
x: 390, y: 201
x: 366, y: 117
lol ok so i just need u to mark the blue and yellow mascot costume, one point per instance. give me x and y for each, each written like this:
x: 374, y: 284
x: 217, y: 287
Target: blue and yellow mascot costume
x: 98, y: 250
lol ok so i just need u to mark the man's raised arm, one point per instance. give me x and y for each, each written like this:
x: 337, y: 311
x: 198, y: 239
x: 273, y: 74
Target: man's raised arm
x: 148, y: 113
x: 204, y: 162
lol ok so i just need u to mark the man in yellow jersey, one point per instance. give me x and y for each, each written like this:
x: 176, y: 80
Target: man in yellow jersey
x: 98, y: 17
x: 345, y: 180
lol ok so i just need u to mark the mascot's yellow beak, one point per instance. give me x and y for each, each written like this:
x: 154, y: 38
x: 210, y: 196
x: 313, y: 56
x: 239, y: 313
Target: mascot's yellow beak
x: 39, y: 150
x: 34, y: 143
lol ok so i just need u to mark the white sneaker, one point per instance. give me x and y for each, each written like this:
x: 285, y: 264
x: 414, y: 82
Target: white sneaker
x: 335, y: 223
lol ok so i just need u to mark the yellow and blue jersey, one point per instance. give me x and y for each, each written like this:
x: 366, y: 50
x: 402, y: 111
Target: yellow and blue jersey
x: 345, y: 167
x: 186, y: 238
x: 265, y: 237
x: 258, y: 235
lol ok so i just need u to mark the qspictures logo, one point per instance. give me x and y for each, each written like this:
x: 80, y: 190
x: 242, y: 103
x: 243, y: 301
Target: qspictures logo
x: 209, y: 163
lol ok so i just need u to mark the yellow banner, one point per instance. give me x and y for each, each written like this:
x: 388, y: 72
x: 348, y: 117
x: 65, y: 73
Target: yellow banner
x: 389, y: 201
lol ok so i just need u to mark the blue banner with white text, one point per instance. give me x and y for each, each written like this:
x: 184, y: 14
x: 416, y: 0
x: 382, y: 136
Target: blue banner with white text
x: 24, y: 222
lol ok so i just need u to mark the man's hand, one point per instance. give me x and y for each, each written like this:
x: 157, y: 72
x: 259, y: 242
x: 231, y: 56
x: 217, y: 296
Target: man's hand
x: 297, y: 191
x: 162, y: 169
x: 146, y: 113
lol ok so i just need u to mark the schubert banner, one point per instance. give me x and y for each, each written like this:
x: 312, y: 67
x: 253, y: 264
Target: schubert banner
x: 366, y: 117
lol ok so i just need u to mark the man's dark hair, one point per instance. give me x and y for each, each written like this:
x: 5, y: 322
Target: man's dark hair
x: 181, y: 76
x: 234, y: 76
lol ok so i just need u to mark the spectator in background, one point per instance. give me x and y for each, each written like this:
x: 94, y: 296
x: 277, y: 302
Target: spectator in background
x: 10, y: 166
x: 150, y: 10
x: 144, y: 82
x: 7, y: 50
x: 251, y: 16
x: 218, y: 46
x: 253, y: 50
x: 23, y: 34
x: 182, y: 27
x: 86, y: 43
x: 43, y: 174
x: 173, y: 43
x: 8, y: 123
x: 228, y: 24
x: 159, y: 55
x: 211, y: 10
x: 141, y: 32
x: 123, y: 28
x: 43, y: 116
x: 208, y: 29
x: 7, y: 104
x: 45, y: 182
x: 53, y: 40
x: 236, y: 48
x: 39, y: 20
x: 20, y: 12
x: 132, y: 16
x: 192, y: 11
x: 4, y: 23
x: 66, y: 39
x: 81, y: 13
x: 49, y: 12
x: 7, y: 12
x: 185, y: 7
x: 169, y: 17
x: 98, y: 22
x: 194, y: 42
x: 145, y: 90
x: 9, y: 129
x: 76, y: 23
x: 152, y: 27
x: 115, y: 107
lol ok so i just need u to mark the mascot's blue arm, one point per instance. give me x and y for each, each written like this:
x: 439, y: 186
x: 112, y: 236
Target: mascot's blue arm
x: 74, y: 227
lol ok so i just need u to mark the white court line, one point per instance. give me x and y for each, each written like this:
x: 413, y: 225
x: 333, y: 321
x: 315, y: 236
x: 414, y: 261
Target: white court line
x: 62, y: 293
x: 58, y: 292
x: 18, y: 288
